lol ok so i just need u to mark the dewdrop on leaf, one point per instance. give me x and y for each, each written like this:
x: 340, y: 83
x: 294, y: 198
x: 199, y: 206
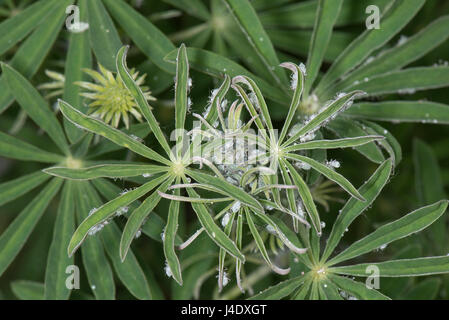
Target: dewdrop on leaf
x: 270, y: 229
x: 167, y: 269
x: 333, y: 164
x: 225, y: 219
x: 236, y: 206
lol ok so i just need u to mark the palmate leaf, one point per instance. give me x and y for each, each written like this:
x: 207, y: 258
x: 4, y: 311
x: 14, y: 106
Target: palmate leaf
x: 17, y: 233
x: 98, y: 270
x: 324, y: 116
x: 17, y: 27
x: 106, y: 171
x: 303, y: 14
x: 227, y: 188
x: 169, y: 239
x: 138, y: 216
x: 217, y: 66
x: 129, y: 270
x: 154, y: 225
x: 13, y: 189
x: 213, y: 231
x: 403, y: 227
x: 260, y: 244
x: 57, y: 260
x: 104, y: 38
x: 249, y: 23
x: 79, y: 57
x: 305, y: 195
x: 400, y: 268
x: 280, y: 290
x: 148, y: 38
x: 182, y: 87
x: 405, y: 81
x: 326, y: 16
x: 138, y: 96
x: 353, y: 208
x: 11, y: 147
x: 34, y: 49
x: 401, y: 55
x: 334, y: 144
x: 345, y: 128
x: 35, y: 106
x: 299, y: 75
x: 390, y: 144
x: 401, y: 111
x: 99, y: 127
x: 108, y: 210
x: 357, y: 289
x: 396, y: 17
x: 328, y: 173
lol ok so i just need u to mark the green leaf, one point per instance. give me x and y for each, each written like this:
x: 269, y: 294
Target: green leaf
x: 154, y: 225
x: 214, y: 232
x: 227, y: 188
x: 430, y: 188
x: 99, y: 127
x: 406, y: 81
x: 400, y: 268
x: 35, y: 106
x: 298, y: 88
x: 400, y: 55
x: 28, y: 290
x: 396, y: 18
x: 17, y: 27
x: 260, y: 244
x: 282, y: 39
x: 390, y: 144
x: 345, y: 128
x: 11, y: 147
x: 353, y: 208
x: 328, y: 173
x: 138, y: 216
x: 129, y: 270
x: 17, y: 233
x: 104, y: 38
x: 150, y: 40
x: 324, y: 116
x: 108, y: 210
x: 303, y: 14
x: 57, y: 260
x: 411, y: 223
x: 279, y: 290
x: 182, y: 100
x: 98, y: 270
x: 357, y: 289
x: 195, y: 8
x: 249, y: 23
x: 13, y: 189
x: 136, y: 92
x: 106, y: 170
x: 402, y: 111
x: 169, y: 239
x: 425, y: 290
x: 79, y: 57
x: 326, y: 16
x: 217, y: 66
x: 34, y: 49
x: 334, y: 144
x: 306, y: 196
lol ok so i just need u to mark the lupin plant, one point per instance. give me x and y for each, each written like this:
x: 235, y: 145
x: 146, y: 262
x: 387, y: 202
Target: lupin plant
x: 238, y: 199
